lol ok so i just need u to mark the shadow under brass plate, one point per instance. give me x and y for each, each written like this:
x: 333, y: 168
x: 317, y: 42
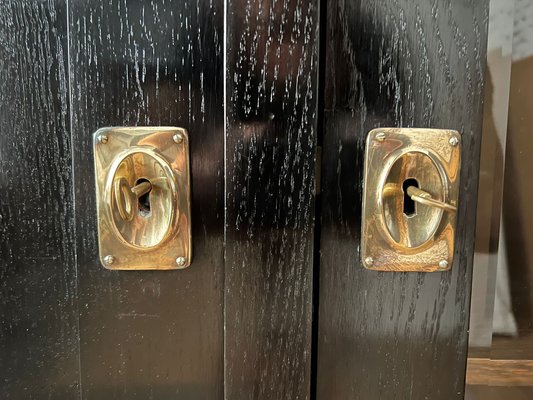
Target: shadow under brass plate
x: 143, y: 197
x: 411, y: 189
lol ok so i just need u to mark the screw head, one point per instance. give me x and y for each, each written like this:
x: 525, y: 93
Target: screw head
x: 181, y: 261
x: 109, y: 260
x: 443, y: 264
x: 369, y: 260
x: 103, y: 139
x: 178, y: 138
x: 380, y: 137
x: 454, y: 141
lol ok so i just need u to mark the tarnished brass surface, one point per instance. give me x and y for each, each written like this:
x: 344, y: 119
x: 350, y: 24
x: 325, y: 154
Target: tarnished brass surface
x: 143, y: 197
x: 402, y: 164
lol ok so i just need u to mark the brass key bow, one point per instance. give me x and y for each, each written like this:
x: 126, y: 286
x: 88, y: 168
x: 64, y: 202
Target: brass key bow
x: 126, y: 197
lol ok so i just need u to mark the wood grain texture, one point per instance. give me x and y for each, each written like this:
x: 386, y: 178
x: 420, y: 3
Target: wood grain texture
x: 38, y: 309
x: 271, y: 70
x: 159, y: 334
x: 484, y: 371
x: 408, y: 64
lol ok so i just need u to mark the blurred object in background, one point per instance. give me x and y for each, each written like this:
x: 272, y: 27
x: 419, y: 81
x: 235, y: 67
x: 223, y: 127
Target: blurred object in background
x: 501, y: 324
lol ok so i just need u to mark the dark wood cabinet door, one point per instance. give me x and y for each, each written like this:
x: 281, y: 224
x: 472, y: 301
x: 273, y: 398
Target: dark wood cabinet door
x: 38, y: 303
x: 150, y: 334
x: 271, y: 111
x: 276, y: 304
x: 395, y: 335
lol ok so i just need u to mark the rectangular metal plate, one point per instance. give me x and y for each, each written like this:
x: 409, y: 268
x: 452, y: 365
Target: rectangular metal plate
x: 138, y: 230
x: 398, y: 235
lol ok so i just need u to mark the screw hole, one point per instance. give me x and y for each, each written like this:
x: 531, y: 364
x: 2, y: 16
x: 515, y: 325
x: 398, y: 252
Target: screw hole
x: 409, y: 205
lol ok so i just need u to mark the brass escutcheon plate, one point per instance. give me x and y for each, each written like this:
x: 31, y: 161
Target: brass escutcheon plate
x: 143, y: 198
x: 411, y: 190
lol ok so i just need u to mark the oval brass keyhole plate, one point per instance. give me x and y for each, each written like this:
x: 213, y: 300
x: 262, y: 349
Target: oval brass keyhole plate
x: 143, y: 197
x: 411, y: 189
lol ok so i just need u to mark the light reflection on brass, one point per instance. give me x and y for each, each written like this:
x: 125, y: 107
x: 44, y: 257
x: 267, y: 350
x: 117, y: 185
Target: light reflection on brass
x: 404, y: 164
x: 423, y: 197
x: 136, y: 162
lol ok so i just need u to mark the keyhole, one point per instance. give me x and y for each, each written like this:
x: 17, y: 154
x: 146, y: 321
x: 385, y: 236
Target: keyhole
x: 409, y: 206
x: 144, y: 200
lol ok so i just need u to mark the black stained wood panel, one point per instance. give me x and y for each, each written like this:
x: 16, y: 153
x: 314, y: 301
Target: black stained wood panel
x: 151, y: 334
x: 271, y: 69
x: 38, y: 309
x: 403, y: 63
